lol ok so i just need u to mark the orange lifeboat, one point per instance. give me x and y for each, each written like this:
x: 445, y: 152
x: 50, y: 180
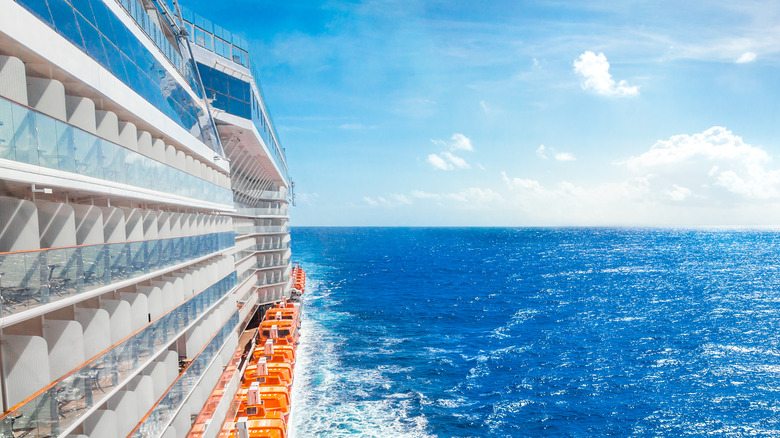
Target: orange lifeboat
x: 264, y: 395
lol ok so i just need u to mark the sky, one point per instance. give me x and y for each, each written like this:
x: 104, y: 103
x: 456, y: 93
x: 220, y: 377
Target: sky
x: 521, y: 113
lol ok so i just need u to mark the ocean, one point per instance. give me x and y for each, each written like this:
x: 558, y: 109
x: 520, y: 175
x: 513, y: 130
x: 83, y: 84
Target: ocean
x: 514, y: 332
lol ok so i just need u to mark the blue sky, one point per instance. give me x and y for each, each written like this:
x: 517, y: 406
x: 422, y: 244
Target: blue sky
x: 514, y: 113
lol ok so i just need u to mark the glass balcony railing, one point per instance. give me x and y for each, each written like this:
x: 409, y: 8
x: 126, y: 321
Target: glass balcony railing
x: 271, y: 264
x: 263, y: 211
x: 232, y: 47
x: 28, y: 136
x: 98, y: 32
x: 273, y: 279
x: 272, y: 194
x: 62, y: 403
x: 260, y: 248
x: 229, y: 377
x: 31, y: 278
x: 266, y: 229
x: 161, y: 415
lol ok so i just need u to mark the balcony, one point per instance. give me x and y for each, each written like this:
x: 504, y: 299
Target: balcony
x: 263, y: 211
x: 31, y: 137
x: 270, y: 264
x: 265, y: 229
x: 163, y: 413
x: 29, y: 279
x: 61, y: 404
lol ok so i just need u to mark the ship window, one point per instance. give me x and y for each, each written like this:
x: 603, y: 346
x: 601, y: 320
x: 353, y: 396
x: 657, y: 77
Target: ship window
x: 84, y: 8
x: 40, y: 9
x: 65, y: 21
x: 219, y: 82
x: 93, y: 43
x: 205, y: 75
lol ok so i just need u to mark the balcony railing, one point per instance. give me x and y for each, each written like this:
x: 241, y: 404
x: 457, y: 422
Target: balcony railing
x: 263, y: 211
x: 28, y: 136
x: 221, y: 395
x: 266, y: 229
x: 161, y: 415
x: 272, y: 194
x: 270, y: 278
x: 62, y: 403
x: 261, y: 248
x: 29, y: 279
x: 271, y: 264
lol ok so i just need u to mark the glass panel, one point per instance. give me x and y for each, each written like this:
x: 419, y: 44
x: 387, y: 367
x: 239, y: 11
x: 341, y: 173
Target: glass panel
x: 47, y: 141
x: 60, y: 405
x: 93, y: 42
x: 219, y: 82
x: 85, y: 9
x: 65, y: 21
x: 38, y: 8
x: 32, y: 278
x: 169, y: 406
x: 87, y: 148
x: 66, y: 150
x: 32, y: 137
x: 24, y: 140
x: 6, y: 131
x: 115, y: 61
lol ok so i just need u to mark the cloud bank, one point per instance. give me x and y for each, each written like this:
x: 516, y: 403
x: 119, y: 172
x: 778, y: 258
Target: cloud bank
x: 709, y: 178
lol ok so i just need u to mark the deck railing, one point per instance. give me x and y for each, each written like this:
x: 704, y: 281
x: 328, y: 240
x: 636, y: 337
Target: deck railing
x: 161, y: 415
x: 29, y: 279
x: 63, y: 402
x: 31, y: 137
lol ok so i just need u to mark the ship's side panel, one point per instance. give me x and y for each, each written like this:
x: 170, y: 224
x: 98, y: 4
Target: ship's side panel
x: 140, y: 226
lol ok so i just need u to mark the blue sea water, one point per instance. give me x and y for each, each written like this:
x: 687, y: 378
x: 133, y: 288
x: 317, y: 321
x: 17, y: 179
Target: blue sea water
x: 435, y: 332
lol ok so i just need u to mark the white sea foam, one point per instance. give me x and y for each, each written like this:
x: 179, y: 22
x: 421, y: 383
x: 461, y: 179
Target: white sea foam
x: 723, y: 350
x: 333, y: 399
x: 516, y: 319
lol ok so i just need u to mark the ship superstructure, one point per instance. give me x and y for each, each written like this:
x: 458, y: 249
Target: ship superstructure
x: 143, y: 217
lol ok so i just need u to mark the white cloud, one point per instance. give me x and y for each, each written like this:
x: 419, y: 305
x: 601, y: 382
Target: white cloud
x: 446, y: 160
x: 564, y: 156
x: 456, y: 161
x: 471, y: 198
x: 438, y: 162
x: 747, y: 57
x: 541, y: 152
x: 594, y: 70
x: 708, y: 178
x: 678, y: 193
x: 460, y: 143
x: 714, y: 164
x: 391, y: 200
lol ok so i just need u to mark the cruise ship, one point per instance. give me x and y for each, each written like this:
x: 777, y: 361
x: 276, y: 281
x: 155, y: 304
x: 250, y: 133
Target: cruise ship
x: 144, y: 219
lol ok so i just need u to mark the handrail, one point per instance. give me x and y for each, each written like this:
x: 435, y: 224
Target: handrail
x: 191, y: 186
x: 107, y: 243
x: 198, y: 304
x: 218, y: 339
x: 33, y: 277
